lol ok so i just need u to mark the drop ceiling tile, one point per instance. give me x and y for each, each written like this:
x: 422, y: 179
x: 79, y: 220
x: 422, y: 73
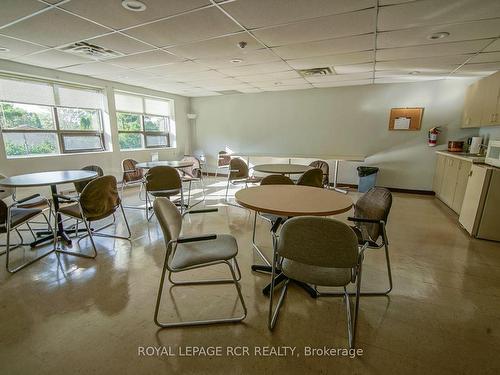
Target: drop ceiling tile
x: 341, y: 59
x: 185, y: 28
x: 17, y: 47
x: 288, y: 88
x: 261, y: 56
x: 442, y: 49
x: 343, y: 83
x: 423, y: 64
x: 120, y: 43
x: 326, y: 47
x: 281, y: 82
x: 431, y: 12
x: 269, y: 76
x: 95, y: 69
x: 197, y: 94
x: 392, y: 2
x: 218, y: 47
x: 250, y: 90
x: 403, y: 73
x: 481, y: 69
x: 145, y: 59
x: 339, y: 78
x: 493, y: 47
x: 200, y: 76
x: 52, y: 59
x: 218, y: 82
x: 486, y: 57
x: 406, y: 79
x: 53, y: 28
x: 15, y: 9
x: 112, y: 14
x: 277, y: 66
x: 458, y: 32
x: 259, y: 13
x: 185, y: 67
x: 354, y: 68
x: 336, y: 26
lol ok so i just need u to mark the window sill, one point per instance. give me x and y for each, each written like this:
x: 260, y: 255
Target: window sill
x: 148, y: 149
x: 56, y: 155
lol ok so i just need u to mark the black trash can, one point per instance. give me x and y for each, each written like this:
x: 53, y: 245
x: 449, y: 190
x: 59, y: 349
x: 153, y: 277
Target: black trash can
x: 367, y: 178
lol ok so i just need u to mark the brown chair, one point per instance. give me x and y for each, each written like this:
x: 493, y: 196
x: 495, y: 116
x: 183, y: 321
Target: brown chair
x: 191, y: 253
x: 131, y: 175
x: 223, y: 161
x: 81, y: 184
x: 192, y: 174
x: 323, y: 165
x: 239, y: 173
x: 273, y: 179
x: 97, y: 201
x: 312, y: 177
x: 162, y: 181
x: 11, y: 218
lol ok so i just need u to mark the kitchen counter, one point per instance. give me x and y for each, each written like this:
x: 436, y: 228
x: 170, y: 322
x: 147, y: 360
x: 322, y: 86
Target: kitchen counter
x: 475, y: 159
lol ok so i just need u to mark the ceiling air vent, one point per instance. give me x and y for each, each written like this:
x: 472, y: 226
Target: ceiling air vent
x: 229, y: 92
x: 90, y: 50
x: 316, y: 72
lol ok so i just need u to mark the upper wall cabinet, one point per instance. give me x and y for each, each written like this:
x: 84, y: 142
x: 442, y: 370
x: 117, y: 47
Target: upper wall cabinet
x: 482, y: 103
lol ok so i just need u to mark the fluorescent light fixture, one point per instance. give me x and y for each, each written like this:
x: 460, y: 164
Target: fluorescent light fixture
x: 134, y: 5
x: 439, y: 35
x: 236, y: 61
x: 4, y: 49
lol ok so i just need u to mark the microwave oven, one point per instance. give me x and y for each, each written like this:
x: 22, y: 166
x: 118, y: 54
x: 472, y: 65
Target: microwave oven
x: 493, y: 154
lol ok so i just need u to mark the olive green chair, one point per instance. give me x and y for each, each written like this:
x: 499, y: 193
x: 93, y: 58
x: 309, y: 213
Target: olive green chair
x: 162, y: 181
x: 323, y: 165
x: 81, y: 184
x: 132, y: 176
x: 318, y: 251
x: 239, y: 173
x: 194, y: 252
x: 97, y: 201
x: 312, y: 177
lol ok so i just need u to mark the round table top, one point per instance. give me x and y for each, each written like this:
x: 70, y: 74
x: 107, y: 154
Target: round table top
x: 282, y: 168
x: 47, y: 178
x: 294, y: 200
x: 173, y: 164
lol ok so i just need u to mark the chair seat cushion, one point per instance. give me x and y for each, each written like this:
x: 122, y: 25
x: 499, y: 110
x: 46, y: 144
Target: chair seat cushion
x: 21, y: 215
x: 38, y: 202
x: 361, y: 240
x: 73, y: 210
x: 165, y: 193
x: 324, y: 276
x: 190, y: 254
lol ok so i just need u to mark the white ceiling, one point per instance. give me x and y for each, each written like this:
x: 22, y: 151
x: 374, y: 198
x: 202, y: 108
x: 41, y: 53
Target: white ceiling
x: 187, y: 46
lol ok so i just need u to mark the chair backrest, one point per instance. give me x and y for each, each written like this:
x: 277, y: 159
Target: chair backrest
x: 169, y: 217
x: 237, y: 169
x: 374, y: 204
x: 276, y: 179
x: 100, y: 198
x: 318, y: 241
x: 323, y: 165
x: 162, y: 178
x: 223, y: 159
x: 3, y: 216
x: 5, y: 192
x: 195, y: 169
x: 130, y: 172
x: 312, y: 177
x: 81, y: 184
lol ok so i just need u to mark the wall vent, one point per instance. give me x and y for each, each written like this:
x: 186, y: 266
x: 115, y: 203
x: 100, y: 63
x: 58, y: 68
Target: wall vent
x: 90, y: 50
x: 325, y: 71
x: 229, y: 92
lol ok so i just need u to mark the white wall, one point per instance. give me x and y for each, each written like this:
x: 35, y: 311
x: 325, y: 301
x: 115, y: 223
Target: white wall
x: 332, y: 121
x: 110, y: 161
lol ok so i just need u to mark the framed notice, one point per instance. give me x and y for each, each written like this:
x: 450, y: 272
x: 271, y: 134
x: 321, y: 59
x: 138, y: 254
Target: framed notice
x: 406, y: 118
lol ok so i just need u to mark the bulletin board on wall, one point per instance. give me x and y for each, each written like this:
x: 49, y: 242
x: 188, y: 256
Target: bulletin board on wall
x: 406, y: 118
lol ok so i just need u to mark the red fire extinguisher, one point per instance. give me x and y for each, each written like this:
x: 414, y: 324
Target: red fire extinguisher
x: 433, y: 136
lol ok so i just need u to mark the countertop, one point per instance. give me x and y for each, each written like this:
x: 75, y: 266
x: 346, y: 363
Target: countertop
x: 463, y: 156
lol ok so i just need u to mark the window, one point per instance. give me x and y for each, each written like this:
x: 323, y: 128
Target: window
x: 143, y: 122
x: 41, y: 118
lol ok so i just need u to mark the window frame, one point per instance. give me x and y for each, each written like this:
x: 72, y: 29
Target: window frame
x: 145, y: 133
x: 60, y: 133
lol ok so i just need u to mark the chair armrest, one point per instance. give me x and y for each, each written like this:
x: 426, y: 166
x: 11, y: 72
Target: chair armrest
x: 205, y: 237
x: 203, y: 210
x: 66, y: 198
x: 363, y: 220
x: 21, y: 201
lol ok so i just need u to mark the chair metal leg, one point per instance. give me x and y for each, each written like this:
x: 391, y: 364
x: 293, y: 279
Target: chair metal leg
x: 129, y: 233
x: 227, y: 190
x: 234, y: 280
x: 81, y: 255
x: 255, y: 247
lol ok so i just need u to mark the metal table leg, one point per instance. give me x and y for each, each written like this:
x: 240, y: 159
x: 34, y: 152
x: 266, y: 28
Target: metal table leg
x: 335, y: 178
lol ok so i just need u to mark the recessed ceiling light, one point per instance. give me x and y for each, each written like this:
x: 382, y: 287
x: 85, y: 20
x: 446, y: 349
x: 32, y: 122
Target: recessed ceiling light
x: 415, y: 72
x: 134, y: 5
x: 236, y: 61
x: 4, y: 49
x: 278, y: 83
x: 439, y: 35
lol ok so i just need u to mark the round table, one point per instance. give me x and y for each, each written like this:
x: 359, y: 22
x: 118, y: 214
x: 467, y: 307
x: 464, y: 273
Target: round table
x: 173, y: 164
x: 289, y: 201
x: 282, y: 168
x: 53, y: 179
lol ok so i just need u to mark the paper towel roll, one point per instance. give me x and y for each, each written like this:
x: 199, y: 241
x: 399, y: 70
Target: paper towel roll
x: 475, y: 145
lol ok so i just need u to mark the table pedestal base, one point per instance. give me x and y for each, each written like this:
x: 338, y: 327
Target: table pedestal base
x: 280, y: 278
